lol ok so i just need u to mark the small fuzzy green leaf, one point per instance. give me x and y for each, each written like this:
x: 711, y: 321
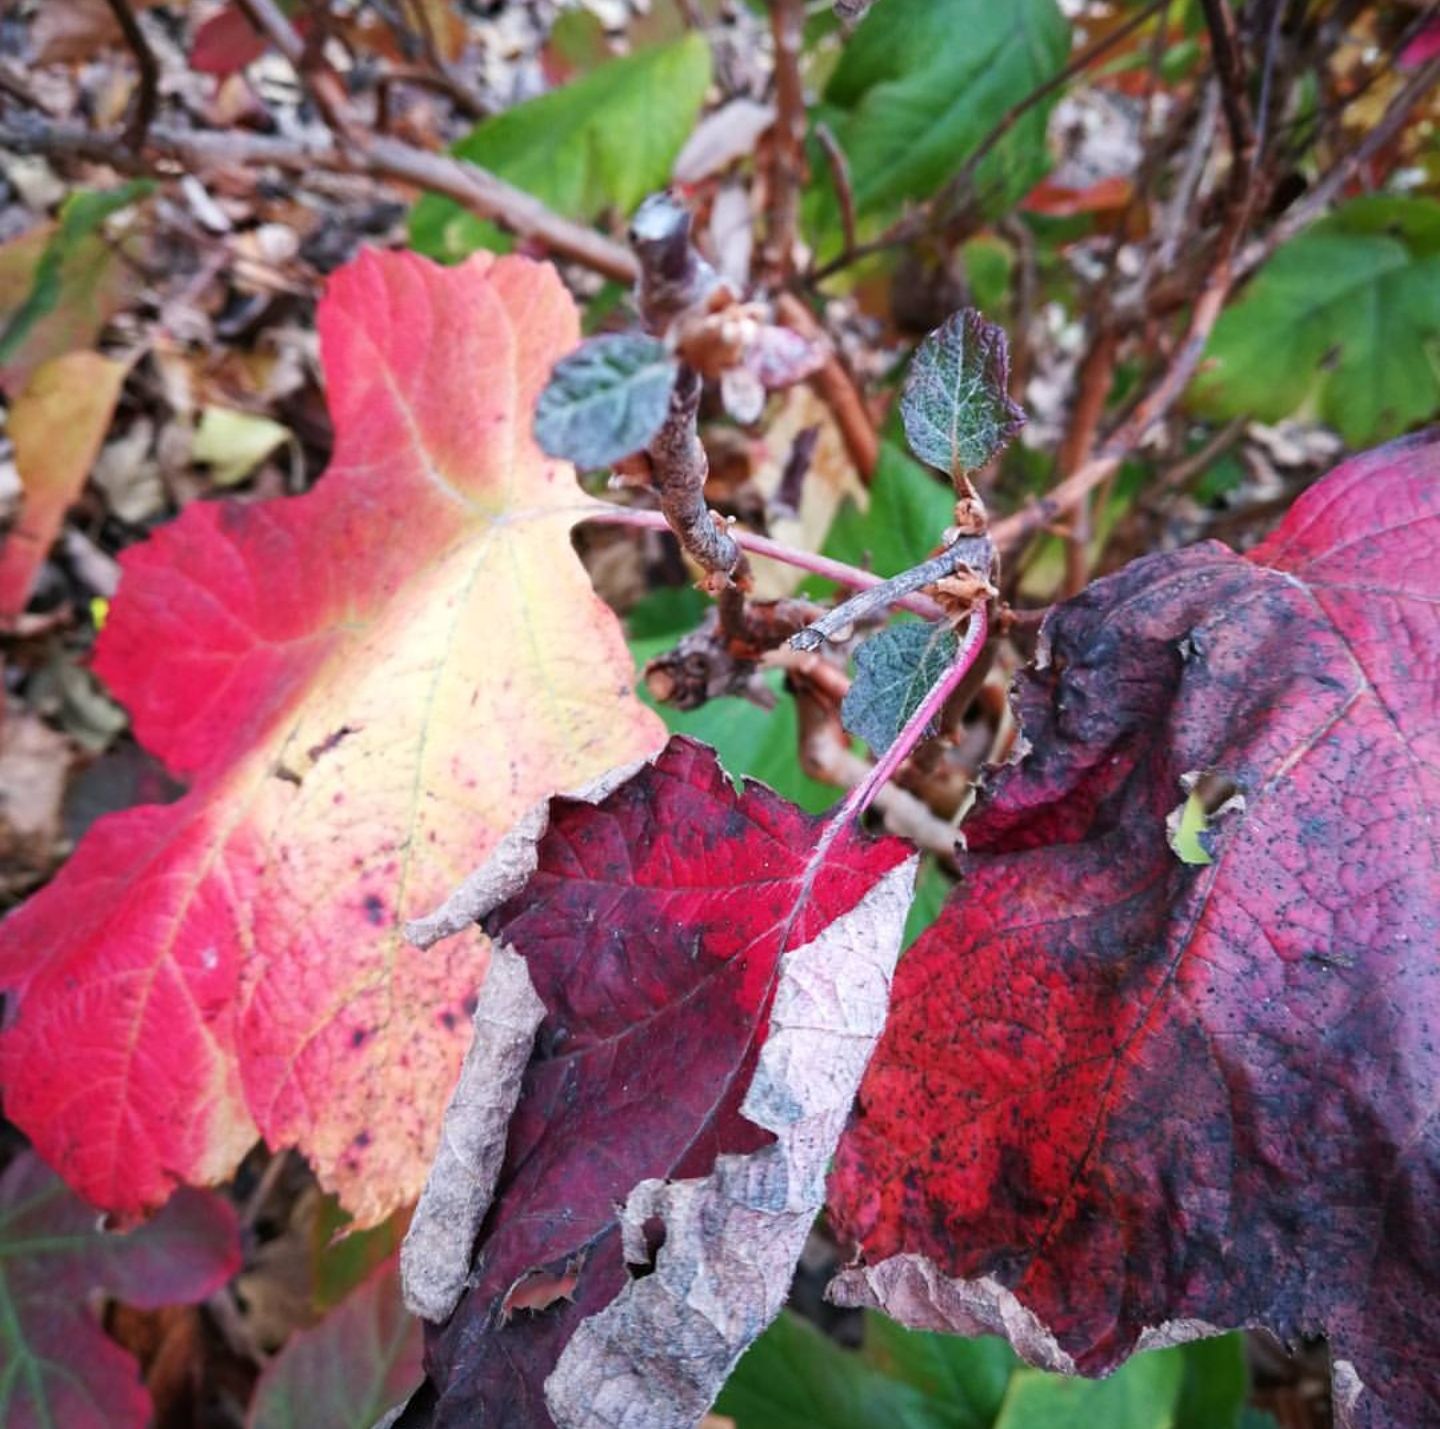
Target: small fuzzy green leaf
x: 893, y: 673
x: 606, y: 400
x: 956, y: 404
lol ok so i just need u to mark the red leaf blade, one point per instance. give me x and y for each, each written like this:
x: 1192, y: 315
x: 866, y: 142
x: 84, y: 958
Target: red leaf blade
x: 1131, y: 1091
x: 714, y: 968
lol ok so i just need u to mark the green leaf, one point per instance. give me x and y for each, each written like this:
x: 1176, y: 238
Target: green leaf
x: 919, y: 86
x: 1142, y: 1394
x: 74, y: 254
x: 1216, y: 1383
x: 794, y: 1377
x: 1342, y: 321
x: 956, y: 404
x: 894, y: 671
x: 909, y: 511
x: 603, y: 141
x: 606, y: 400
x: 963, y: 1380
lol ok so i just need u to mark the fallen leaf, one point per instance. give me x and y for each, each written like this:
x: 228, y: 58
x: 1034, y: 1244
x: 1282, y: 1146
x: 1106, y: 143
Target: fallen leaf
x: 363, y: 686
x: 34, y: 764
x: 1125, y: 1099
x: 77, y: 30
x: 685, y: 1094
x: 57, y: 424
x: 730, y: 133
x: 234, y: 443
x: 347, y: 1371
x: 59, y: 1366
x: 68, y: 274
x: 94, y: 283
x: 1057, y: 200
x: 226, y: 43
x: 829, y: 480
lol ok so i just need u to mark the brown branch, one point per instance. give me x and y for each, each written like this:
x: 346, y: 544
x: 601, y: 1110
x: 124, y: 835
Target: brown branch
x: 379, y: 157
x: 1329, y: 187
x: 839, y: 167
x: 1009, y: 533
x: 680, y: 468
x: 787, y: 168
x: 973, y: 553
x: 836, y: 389
x: 674, y: 280
x: 147, y: 97
x: 1097, y: 372
x: 1230, y: 72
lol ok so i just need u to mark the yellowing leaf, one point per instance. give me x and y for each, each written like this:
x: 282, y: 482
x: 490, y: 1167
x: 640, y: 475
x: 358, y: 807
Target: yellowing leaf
x: 57, y: 424
x: 364, y: 686
x: 235, y: 443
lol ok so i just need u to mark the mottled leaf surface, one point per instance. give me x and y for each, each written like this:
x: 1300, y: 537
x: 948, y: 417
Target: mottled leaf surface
x: 346, y: 1372
x: 1120, y: 1091
x: 956, y: 404
x: 659, y: 928
x: 894, y: 671
x: 364, y: 687
x: 606, y: 400
x: 57, y: 1365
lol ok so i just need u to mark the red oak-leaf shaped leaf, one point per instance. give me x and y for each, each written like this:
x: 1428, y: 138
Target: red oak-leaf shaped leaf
x: 1123, y: 1098
x: 59, y: 1366
x: 363, y: 685
x: 714, y: 967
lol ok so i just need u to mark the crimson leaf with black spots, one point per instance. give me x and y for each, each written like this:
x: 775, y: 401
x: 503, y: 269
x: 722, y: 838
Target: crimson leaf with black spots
x: 714, y: 967
x: 1122, y: 1098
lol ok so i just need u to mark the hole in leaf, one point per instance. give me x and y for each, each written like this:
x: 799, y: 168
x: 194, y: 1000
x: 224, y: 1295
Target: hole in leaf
x: 1189, y: 825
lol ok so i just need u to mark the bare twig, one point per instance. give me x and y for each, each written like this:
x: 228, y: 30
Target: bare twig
x: 832, y: 570
x: 680, y: 466
x: 1009, y: 533
x: 1097, y: 372
x: 787, y: 168
x: 1182, y: 201
x: 1230, y: 74
x: 1328, y: 188
x: 147, y: 96
x: 969, y: 552
x: 380, y: 157
x: 839, y: 167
